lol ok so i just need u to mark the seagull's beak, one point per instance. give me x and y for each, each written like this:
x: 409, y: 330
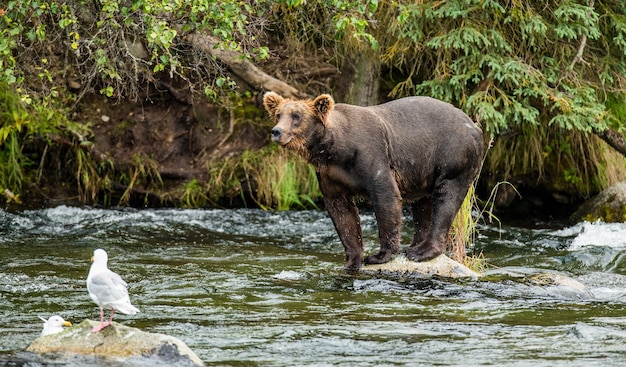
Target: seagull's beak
x: 67, y: 323
x: 92, y: 259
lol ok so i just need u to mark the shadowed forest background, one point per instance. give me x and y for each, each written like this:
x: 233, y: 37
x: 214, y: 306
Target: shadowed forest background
x: 158, y: 103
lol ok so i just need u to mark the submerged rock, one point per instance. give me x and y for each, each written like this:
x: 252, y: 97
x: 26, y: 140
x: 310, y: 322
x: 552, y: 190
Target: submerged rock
x: 115, y: 344
x: 441, y: 266
x: 608, y: 206
x: 561, y: 286
x: 525, y: 281
x: 528, y: 282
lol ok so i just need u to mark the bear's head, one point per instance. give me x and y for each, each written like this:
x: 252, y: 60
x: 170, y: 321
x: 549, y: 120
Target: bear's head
x: 298, y: 122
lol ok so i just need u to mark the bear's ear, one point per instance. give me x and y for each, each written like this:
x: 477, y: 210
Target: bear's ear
x: 322, y: 106
x: 271, y: 100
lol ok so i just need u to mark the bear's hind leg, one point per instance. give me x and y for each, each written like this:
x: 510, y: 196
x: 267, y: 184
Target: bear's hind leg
x: 422, y: 219
x: 445, y: 202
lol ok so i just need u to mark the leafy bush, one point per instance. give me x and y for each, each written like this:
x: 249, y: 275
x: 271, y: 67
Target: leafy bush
x: 515, y: 67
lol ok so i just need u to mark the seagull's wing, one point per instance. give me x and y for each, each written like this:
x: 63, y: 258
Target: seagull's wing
x: 107, y: 287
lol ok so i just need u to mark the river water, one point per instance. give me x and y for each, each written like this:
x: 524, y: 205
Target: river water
x: 255, y: 288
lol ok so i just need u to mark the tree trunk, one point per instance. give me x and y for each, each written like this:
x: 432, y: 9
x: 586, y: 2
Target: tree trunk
x: 363, y: 74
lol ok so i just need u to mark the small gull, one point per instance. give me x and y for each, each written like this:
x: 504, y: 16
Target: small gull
x: 107, y: 289
x: 53, y: 325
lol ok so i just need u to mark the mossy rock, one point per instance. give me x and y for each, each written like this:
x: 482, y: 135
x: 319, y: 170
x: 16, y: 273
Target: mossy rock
x: 609, y: 206
x: 117, y: 344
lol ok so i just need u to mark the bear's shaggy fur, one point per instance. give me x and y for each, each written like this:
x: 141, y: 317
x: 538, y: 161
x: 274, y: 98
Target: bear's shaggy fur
x: 417, y: 149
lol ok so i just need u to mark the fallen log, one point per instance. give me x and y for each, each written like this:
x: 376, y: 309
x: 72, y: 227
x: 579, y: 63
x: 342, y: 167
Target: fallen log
x: 241, y: 66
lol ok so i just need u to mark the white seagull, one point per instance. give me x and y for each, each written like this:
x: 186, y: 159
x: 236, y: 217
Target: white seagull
x: 53, y: 325
x: 107, y: 289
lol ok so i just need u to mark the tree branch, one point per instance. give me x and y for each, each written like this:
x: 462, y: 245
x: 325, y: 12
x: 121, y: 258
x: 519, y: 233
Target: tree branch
x: 231, y: 129
x: 614, y: 139
x: 241, y: 67
x: 583, y: 43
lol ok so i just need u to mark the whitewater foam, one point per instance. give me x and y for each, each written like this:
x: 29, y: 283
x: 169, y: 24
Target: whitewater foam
x: 596, y: 234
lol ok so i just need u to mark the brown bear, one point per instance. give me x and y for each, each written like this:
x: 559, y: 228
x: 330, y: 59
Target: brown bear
x: 417, y: 149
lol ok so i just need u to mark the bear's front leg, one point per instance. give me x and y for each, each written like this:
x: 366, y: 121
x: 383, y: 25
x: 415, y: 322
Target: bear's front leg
x: 345, y: 217
x: 388, y: 210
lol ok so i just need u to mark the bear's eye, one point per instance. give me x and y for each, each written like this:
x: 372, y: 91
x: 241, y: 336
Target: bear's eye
x: 277, y: 116
x: 296, y: 118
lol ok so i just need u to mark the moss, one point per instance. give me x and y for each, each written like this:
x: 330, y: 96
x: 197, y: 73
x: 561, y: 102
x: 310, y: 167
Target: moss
x: 123, y: 126
x: 606, y: 213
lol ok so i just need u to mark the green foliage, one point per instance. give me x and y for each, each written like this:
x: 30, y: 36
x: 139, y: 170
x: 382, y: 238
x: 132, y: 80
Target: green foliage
x: 353, y: 19
x: 506, y: 64
x: 557, y: 160
x: 143, y: 171
x: 345, y: 26
x: 11, y: 164
x: 14, y: 120
x: 281, y: 180
x: 463, y: 228
x: 616, y: 110
x: 26, y: 121
x: 113, y: 45
x: 514, y: 65
x: 193, y: 195
x: 275, y: 178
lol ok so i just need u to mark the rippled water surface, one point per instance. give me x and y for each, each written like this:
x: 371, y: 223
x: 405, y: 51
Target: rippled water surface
x: 255, y: 288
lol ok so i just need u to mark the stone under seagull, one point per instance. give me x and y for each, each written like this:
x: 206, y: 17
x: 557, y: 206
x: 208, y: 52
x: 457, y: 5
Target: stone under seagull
x: 107, y: 289
x: 53, y: 325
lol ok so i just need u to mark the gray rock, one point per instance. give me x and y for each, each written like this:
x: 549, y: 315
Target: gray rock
x: 527, y: 282
x: 608, y: 206
x: 137, y: 49
x: 441, y: 266
x: 561, y: 286
x: 117, y: 344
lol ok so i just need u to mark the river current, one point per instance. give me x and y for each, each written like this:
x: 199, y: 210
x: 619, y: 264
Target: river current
x: 256, y: 288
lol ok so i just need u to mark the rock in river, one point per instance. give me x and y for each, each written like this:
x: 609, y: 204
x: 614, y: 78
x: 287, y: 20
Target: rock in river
x: 608, y: 206
x: 527, y: 281
x: 441, y: 266
x: 117, y: 344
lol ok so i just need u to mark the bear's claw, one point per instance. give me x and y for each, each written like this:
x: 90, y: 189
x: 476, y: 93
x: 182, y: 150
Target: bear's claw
x: 419, y: 255
x: 352, y: 267
x: 379, y: 258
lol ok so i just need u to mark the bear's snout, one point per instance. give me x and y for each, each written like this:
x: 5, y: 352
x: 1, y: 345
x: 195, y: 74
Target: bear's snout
x: 277, y: 133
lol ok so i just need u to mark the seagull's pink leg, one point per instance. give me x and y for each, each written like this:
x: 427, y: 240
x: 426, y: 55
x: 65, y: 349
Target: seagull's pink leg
x: 102, y: 323
x: 98, y: 328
